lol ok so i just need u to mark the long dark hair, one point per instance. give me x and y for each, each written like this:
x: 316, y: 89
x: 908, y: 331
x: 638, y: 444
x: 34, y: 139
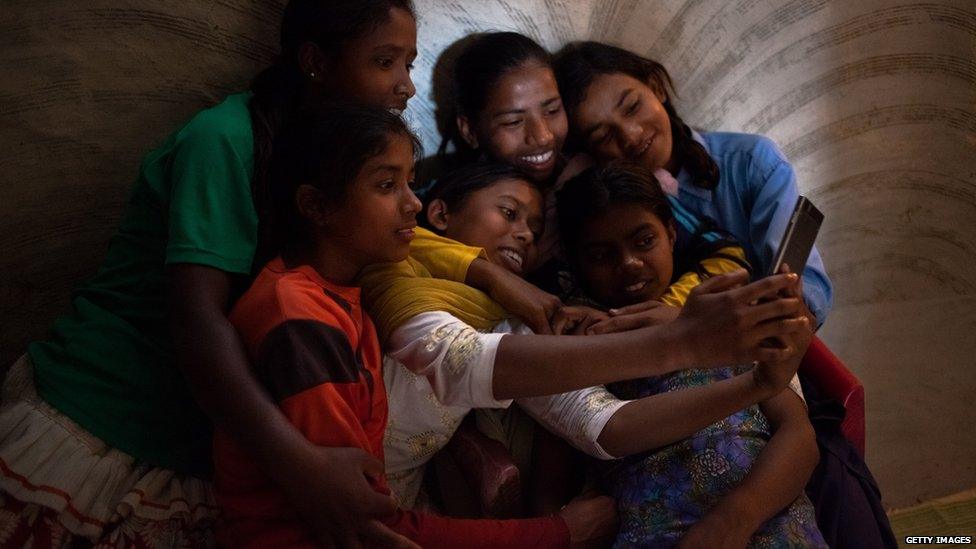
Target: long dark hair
x: 591, y: 192
x: 330, y: 24
x: 326, y: 147
x: 578, y: 63
x: 457, y: 186
x: 485, y: 59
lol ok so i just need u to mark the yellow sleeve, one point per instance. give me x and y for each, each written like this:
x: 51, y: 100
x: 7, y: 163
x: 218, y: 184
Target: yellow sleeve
x: 445, y: 258
x: 723, y: 260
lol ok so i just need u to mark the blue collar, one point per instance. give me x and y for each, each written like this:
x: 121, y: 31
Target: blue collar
x: 684, y: 178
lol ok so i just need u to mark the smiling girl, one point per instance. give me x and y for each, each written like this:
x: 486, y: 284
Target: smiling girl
x: 442, y: 363
x: 343, y: 191
x: 105, y: 429
x: 508, y: 106
x: 620, y: 108
x: 738, y: 481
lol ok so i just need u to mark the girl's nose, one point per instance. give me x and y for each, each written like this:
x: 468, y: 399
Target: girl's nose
x: 539, y: 134
x: 631, y: 263
x: 523, y: 233
x: 631, y: 137
x: 412, y: 204
x: 404, y: 86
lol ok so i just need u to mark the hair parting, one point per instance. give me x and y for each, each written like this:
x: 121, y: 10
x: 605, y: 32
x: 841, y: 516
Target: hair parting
x: 579, y: 63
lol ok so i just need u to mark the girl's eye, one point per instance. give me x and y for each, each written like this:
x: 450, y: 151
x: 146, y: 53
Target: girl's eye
x: 512, y: 123
x: 646, y: 242
x: 409, y: 67
x: 554, y: 110
x: 384, y: 62
x: 387, y: 185
x: 507, y: 212
x: 633, y: 107
x: 412, y: 184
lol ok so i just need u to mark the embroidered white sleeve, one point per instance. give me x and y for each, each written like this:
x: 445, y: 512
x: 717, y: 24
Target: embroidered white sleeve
x: 577, y: 416
x: 457, y: 360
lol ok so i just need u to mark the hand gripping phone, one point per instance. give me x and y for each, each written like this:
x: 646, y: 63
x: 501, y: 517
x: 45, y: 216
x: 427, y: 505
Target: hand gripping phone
x: 801, y: 232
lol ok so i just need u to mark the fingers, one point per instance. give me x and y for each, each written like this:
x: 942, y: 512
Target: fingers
x: 765, y: 288
x: 796, y: 290
x: 539, y: 322
x: 371, y: 466
x: 616, y: 324
x: 587, y: 322
x: 375, y: 504
x: 602, y: 327
x: 783, y: 307
x: 775, y: 354
x: 383, y: 536
x: 636, y: 308
x: 722, y: 282
x: 780, y: 328
x: 562, y: 321
x: 582, y: 327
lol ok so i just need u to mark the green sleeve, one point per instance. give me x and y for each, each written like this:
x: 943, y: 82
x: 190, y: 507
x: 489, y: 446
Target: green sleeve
x: 212, y: 219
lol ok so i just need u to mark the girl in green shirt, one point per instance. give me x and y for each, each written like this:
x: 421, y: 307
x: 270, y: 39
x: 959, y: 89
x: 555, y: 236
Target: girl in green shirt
x: 101, y: 436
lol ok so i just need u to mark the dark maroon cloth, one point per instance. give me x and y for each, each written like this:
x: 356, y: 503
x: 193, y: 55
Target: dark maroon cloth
x: 843, y: 491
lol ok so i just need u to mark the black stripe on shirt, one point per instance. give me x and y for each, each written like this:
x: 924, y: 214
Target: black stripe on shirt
x: 301, y: 354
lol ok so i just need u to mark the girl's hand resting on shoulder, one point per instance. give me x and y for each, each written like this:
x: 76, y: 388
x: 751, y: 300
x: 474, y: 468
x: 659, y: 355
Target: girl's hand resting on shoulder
x: 332, y: 494
x: 725, y: 322
x: 591, y: 520
x: 638, y: 315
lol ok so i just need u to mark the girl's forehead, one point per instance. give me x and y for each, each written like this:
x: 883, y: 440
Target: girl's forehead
x: 621, y: 218
x: 604, y: 96
x: 398, y: 30
x: 517, y: 188
x: 530, y: 81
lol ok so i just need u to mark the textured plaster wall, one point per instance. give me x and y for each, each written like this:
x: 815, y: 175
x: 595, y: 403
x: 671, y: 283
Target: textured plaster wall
x: 874, y: 102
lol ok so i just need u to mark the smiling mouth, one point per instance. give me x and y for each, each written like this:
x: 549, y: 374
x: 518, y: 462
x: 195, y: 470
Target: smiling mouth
x: 636, y: 287
x: 642, y: 148
x: 514, y: 258
x: 397, y: 106
x: 538, y: 159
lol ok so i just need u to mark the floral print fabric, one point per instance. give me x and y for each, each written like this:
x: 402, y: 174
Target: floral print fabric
x: 660, y: 494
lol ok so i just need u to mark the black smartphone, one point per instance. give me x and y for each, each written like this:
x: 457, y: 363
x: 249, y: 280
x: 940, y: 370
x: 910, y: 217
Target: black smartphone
x: 801, y: 232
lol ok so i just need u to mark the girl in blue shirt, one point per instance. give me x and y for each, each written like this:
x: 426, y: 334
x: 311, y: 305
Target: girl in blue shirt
x: 618, y: 106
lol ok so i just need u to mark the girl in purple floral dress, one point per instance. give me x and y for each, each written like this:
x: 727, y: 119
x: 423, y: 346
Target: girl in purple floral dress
x: 735, y: 483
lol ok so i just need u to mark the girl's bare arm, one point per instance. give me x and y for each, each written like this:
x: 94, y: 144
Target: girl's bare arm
x: 327, y: 485
x: 776, y: 479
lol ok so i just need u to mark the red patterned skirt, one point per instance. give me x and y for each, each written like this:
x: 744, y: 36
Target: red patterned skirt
x: 59, y: 482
